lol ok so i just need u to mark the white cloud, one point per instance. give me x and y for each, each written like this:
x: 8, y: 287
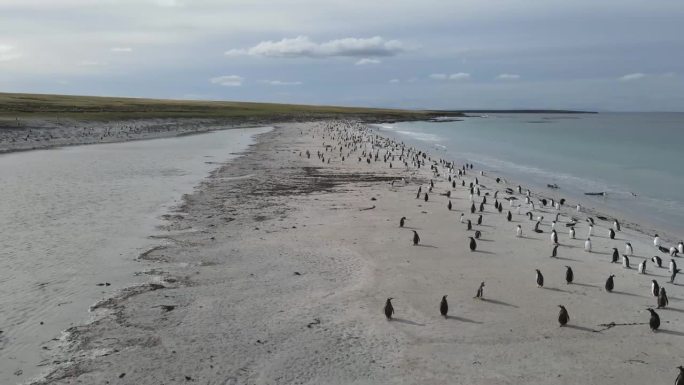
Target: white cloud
x: 455, y: 76
x: 438, y: 76
x: 394, y: 81
x: 280, y: 83
x: 90, y: 63
x: 121, y: 49
x: 8, y: 52
x: 508, y: 77
x: 365, y: 61
x: 302, y: 46
x: 630, y: 77
x: 227, y: 80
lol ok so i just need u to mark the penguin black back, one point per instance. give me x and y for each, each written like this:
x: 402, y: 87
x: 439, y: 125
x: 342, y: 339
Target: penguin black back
x: 662, y: 298
x: 569, y: 275
x: 444, y: 307
x: 402, y: 221
x: 680, y: 378
x: 563, y: 316
x: 389, y: 309
x: 477, y: 234
x: 540, y: 279
x: 416, y: 238
x: 480, y: 291
x: 473, y: 244
x: 554, y: 252
x: 616, y: 255
x: 610, y: 284
x: 654, y: 322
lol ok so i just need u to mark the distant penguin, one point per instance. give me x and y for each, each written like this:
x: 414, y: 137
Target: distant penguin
x: 389, y: 309
x: 628, y: 249
x: 611, y: 234
x: 616, y: 255
x: 680, y: 247
x: 518, y: 231
x: 625, y: 261
x: 426, y: 197
x: 673, y: 265
x: 617, y: 225
x: 587, y: 245
x: 462, y: 217
x: 610, y: 284
x: 571, y: 233
x: 477, y: 234
x: 449, y: 206
x: 470, y: 225
x: 479, y: 220
x: 473, y: 244
x: 563, y: 316
x: 554, y: 237
x: 480, y: 291
x: 591, y: 231
x: 402, y: 221
x: 680, y: 377
x: 416, y: 238
x: 540, y: 278
x: 642, y: 267
x: 662, y: 298
x: 509, y: 217
x: 569, y: 275
x: 657, y: 260
x: 656, y: 241
x: 655, y: 288
x: 654, y: 322
x: 472, y: 208
x: 444, y: 307
x: 579, y: 208
x: 554, y: 251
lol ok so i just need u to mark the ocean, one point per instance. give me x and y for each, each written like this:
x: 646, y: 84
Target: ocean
x: 635, y: 158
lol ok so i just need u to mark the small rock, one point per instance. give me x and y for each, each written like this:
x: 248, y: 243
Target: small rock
x: 19, y: 372
x: 122, y: 375
x: 297, y: 273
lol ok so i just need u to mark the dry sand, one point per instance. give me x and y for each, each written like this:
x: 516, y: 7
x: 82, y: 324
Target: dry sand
x: 275, y: 271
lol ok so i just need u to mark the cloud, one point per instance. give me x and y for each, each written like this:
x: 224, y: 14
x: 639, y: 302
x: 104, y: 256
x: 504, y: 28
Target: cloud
x: 227, y: 80
x: 90, y: 63
x: 121, y: 49
x: 630, y: 77
x: 302, y: 46
x: 280, y: 83
x: 508, y: 77
x: 365, y: 61
x: 455, y: 76
x: 394, y: 81
x: 8, y: 52
x: 438, y: 76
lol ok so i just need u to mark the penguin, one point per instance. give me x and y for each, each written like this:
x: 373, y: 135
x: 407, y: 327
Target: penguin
x: 569, y: 275
x: 680, y: 247
x: 540, y: 219
x: 628, y: 249
x: 553, y: 225
x: 536, y: 228
x: 402, y: 221
x: 518, y: 231
x: 611, y: 234
x: 617, y: 225
x: 389, y: 309
x: 642, y: 267
x: 500, y: 208
x: 484, y: 201
x: 674, y: 275
x: 509, y: 216
x: 616, y: 255
x: 579, y: 208
x: 673, y: 251
x: 655, y: 288
x: 472, y: 208
x: 625, y: 262
x: 554, y: 252
x: 654, y: 322
x: 426, y: 197
x: 554, y: 237
x: 587, y: 245
x: 680, y: 378
x: 462, y: 217
x: 563, y: 316
x: 540, y: 279
x: 480, y: 291
x: 479, y: 220
x: 444, y: 307
x: 529, y: 214
x: 473, y: 244
x: 662, y: 298
x: 416, y: 238
x: 663, y: 249
x: 470, y: 225
x: 449, y: 206
x: 610, y: 284
x: 657, y: 260
x: 477, y: 234
x: 656, y: 240
x: 673, y: 265
x: 453, y: 184
x: 481, y: 207
x: 591, y: 231
x: 571, y: 233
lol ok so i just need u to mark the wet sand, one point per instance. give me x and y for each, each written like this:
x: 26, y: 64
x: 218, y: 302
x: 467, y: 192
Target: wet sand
x: 276, y: 270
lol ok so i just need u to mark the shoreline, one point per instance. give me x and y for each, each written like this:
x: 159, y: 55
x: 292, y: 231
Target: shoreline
x: 228, y: 232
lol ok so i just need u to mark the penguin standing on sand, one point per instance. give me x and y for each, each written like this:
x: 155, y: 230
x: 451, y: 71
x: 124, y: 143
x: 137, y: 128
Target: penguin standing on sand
x: 444, y: 307
x: 657, y: 260
x: 587, y: 245
x: 402, y: 221
x: 461, y: 220
x: 674, y: 275
x: 480, y: 291
x: 656, y: 240
x: 518, y: 231
x: 569, y: 275
x: 472, y: 208
x: 473, y: 244
x: 680, y: 378
x: 616, y: 255
x: 572, y: 233
x: 642, y: 267
x: 654, y: 322
x: 625, y: 261
x: 554, y: 252
x: 389, y: 309
x: 554, y: 237
x: 477, y: 234
x: 563, y: 316
x: 610, y: 284
x: 426, y: 197
x: 540, y: 279
x: 611, y: 234
x: 470, y: 225
x: 416, y: 238
x: 617, y: 225
x: 680, y: 247
x: 591, y: 231
x: 481, y: 207
x: 628, y: 249
x: 449, y: 206
x: 655, y: 288
x: 662, y: 298
x: 479, y: 220
x: 509, y: 216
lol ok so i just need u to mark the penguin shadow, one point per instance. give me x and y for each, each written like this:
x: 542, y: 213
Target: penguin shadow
x: 424, y: 245
x: 405, y: 321
x: 483, y: 252
x: 602, y: 252
x: 581, y: 328
x: 496, y: 302
x: 626, y: 293
x: 485, y: 240
x: 584, y: 284
x: 462, y: 319
x: 483, y: 225
x: 567, y: 259
x: 670, y: 332
x: 411, y: 228
x: 673, y: 309
x: 555, y: 289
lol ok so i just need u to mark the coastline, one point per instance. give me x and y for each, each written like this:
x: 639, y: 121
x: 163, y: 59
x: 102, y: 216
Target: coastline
x: 277, y: 268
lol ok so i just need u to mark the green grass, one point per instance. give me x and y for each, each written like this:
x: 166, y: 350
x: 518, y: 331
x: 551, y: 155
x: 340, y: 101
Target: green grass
x: 106, y: 108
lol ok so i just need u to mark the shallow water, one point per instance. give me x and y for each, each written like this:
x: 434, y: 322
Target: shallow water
x: 636, y: 158
x: 77, y: 216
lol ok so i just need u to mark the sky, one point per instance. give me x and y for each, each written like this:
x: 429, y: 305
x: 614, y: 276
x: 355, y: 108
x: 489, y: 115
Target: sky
x: 605, y: 55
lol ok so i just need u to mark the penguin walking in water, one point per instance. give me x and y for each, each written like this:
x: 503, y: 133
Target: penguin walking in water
x: 571, y: 233
x: 473, y: 244
x: 480, y: 291
x: 540, y: 279
x: 610, y: 284
x: 680, y: 377
x: 416, y: 238
x: 449, y: 206
x: 628, y: 249
x: 625, y: 262
x: 554, y: 251
x: 563, y: 316
x: 642, y: 267
x: 389, y: 309
x: 479, y: 220
x: 654, y: 322
x: 611, y: 234
x: 470, y: 225
x: 444, y: 307
x: 655, y: 288
x: 554, y: 237
x: 657, y: 260
x: 616, y: 255
x: 402, y: 221
x: 587, y: 245
x: 518, y: 231
x: 662, y: 298
x: 569, y: 275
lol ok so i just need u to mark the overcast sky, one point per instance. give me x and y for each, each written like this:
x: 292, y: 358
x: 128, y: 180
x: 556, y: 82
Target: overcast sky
x: 580, y: 54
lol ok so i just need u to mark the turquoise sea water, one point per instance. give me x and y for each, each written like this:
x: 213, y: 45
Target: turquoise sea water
x: 636, y: 158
